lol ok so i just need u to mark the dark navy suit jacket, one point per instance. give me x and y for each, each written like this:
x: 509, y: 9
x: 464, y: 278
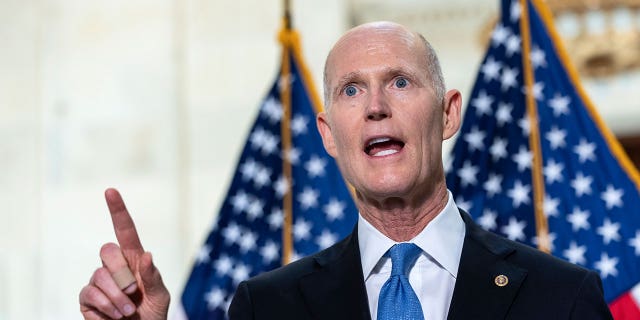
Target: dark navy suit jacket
x: 330, y: 285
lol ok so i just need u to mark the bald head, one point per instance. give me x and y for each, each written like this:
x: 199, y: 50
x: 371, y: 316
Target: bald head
x: 372, y: 37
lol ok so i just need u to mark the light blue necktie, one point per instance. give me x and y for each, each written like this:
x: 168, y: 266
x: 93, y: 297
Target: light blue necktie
x: 397, y: 299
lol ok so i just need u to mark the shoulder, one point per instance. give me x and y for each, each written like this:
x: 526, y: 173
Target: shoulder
x: 523, y: 255
x: 289, y: 274
x: 556, y: 287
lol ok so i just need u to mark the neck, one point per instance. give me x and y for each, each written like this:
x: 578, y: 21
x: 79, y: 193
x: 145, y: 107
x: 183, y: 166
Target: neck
x: 400, y: 219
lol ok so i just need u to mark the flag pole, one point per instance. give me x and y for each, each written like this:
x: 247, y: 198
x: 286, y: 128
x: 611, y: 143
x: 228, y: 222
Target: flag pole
x: 542, y: 225
x: 285, y: 98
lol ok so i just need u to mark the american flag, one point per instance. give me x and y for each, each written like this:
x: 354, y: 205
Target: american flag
x: 247, y: 237
x: 531, y: 140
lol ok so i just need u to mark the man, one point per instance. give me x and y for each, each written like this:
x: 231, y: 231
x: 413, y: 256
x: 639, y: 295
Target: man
x: 413, y: 253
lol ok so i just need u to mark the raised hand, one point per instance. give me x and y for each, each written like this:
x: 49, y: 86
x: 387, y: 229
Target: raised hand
x: 127, y: 284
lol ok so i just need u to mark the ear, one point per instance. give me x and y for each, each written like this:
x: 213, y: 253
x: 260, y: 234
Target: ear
x: 322, y: 122
x: 451, y: 116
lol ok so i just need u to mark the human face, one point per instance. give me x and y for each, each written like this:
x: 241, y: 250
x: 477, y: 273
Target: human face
x: 383, y: 124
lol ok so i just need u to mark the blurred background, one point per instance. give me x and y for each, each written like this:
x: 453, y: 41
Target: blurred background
x: 156, y: 97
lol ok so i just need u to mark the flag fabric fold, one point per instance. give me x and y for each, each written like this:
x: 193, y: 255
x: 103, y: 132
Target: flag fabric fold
x: 535, y: 163
x: 287, y: 198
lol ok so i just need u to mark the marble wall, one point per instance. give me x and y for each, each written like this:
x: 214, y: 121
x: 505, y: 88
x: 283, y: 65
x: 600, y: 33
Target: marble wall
x: 155, y: 98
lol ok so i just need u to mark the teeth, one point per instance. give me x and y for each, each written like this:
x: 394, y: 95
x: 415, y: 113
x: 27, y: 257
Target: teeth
x: 385, y: 153
x: 377, y: 140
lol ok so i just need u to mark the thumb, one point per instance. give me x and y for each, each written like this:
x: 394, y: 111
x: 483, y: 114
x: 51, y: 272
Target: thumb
x: 150, y: 276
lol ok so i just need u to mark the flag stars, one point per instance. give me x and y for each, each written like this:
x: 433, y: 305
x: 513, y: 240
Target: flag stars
x: 499, y: 35
x: 215, y: 298
x: 299, y: 125
x: 301, y: 229
x: 513, y: 45
x: 254, y: 210
x: 536, y: 90
x: 262, y: 177
x: 203, y: 255
x: 231, y: 233
x: 612, y: 197
x: 488, y: 220
x: 519, y: 194
x: 272, y: 109
x: 545, y: 241
x: 468, y: 174
x: 270, y: 252
x: 553, y: 171
x: 635, y: 243
x: 550, y: 206
x: 326, y: 239
x: 560, y: 104
x: 579, y: 219
x: 609, y: 231
x: 248, y: 169
x: 493, y: 184
x: 463, y: 204
x: 582, y: 184
x: 537, y: 57
x: 247, y: 242
x: 508, y: 79
x: 475, y: 139
x: 575, y: 253
x: 223, y: 265
x: 556, y: 137
x: 258, y: 137
x: 269, y: 145
x: 240, y: 273
x: 239, y: 201
x: 607, y: 266
x: 514, y: 230
x: 275, y: 219
x: 585, y: 151
x: 523, y: 158
x: 293, y: 155
x: 498, y: 149
x: 315, y: 166
x: 491, y: 69
x: 515, y: 11
x: 482, y: 103
x: 525, y: 125
x: 308, y: 198
x: 281, y: 186
x: 334, y: 209
x: 503, y: 115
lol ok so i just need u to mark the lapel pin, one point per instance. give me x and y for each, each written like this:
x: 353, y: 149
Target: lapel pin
x: 501, y: 280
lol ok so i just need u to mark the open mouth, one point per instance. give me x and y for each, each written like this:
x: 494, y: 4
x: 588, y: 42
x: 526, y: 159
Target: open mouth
x: 383, y: 146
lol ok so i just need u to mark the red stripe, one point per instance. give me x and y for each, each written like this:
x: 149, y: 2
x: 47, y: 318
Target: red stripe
x: 625, y: 308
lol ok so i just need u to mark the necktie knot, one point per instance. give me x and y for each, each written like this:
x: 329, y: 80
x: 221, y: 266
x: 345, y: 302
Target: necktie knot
x: 397, y: 300
x: 403, y: 256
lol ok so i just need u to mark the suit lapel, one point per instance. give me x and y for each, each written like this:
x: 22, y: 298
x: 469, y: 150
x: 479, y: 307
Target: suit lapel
x: 335, y: 290
x: 481, y: 291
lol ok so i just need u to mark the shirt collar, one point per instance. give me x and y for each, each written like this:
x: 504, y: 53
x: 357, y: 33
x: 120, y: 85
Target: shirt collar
x: 442, y: 239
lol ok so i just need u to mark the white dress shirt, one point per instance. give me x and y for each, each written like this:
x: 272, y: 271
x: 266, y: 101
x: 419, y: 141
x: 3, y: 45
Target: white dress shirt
x: 433, y: 277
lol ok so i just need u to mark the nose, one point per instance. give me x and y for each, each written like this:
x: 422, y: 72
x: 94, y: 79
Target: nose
x: 378, y: 106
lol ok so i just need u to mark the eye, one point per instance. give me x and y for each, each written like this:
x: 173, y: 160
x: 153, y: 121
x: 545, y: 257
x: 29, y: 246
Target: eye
x: 401, y: 82
x: 350, y: 91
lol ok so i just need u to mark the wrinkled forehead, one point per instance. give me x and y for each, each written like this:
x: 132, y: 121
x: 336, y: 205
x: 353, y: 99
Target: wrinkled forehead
x: 375, y: 39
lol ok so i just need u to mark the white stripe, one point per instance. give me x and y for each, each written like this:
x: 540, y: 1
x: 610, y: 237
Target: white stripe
x: 635, y: 294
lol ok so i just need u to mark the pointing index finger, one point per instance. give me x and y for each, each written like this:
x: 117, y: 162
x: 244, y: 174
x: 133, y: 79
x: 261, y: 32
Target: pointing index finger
x: 123, y: 225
